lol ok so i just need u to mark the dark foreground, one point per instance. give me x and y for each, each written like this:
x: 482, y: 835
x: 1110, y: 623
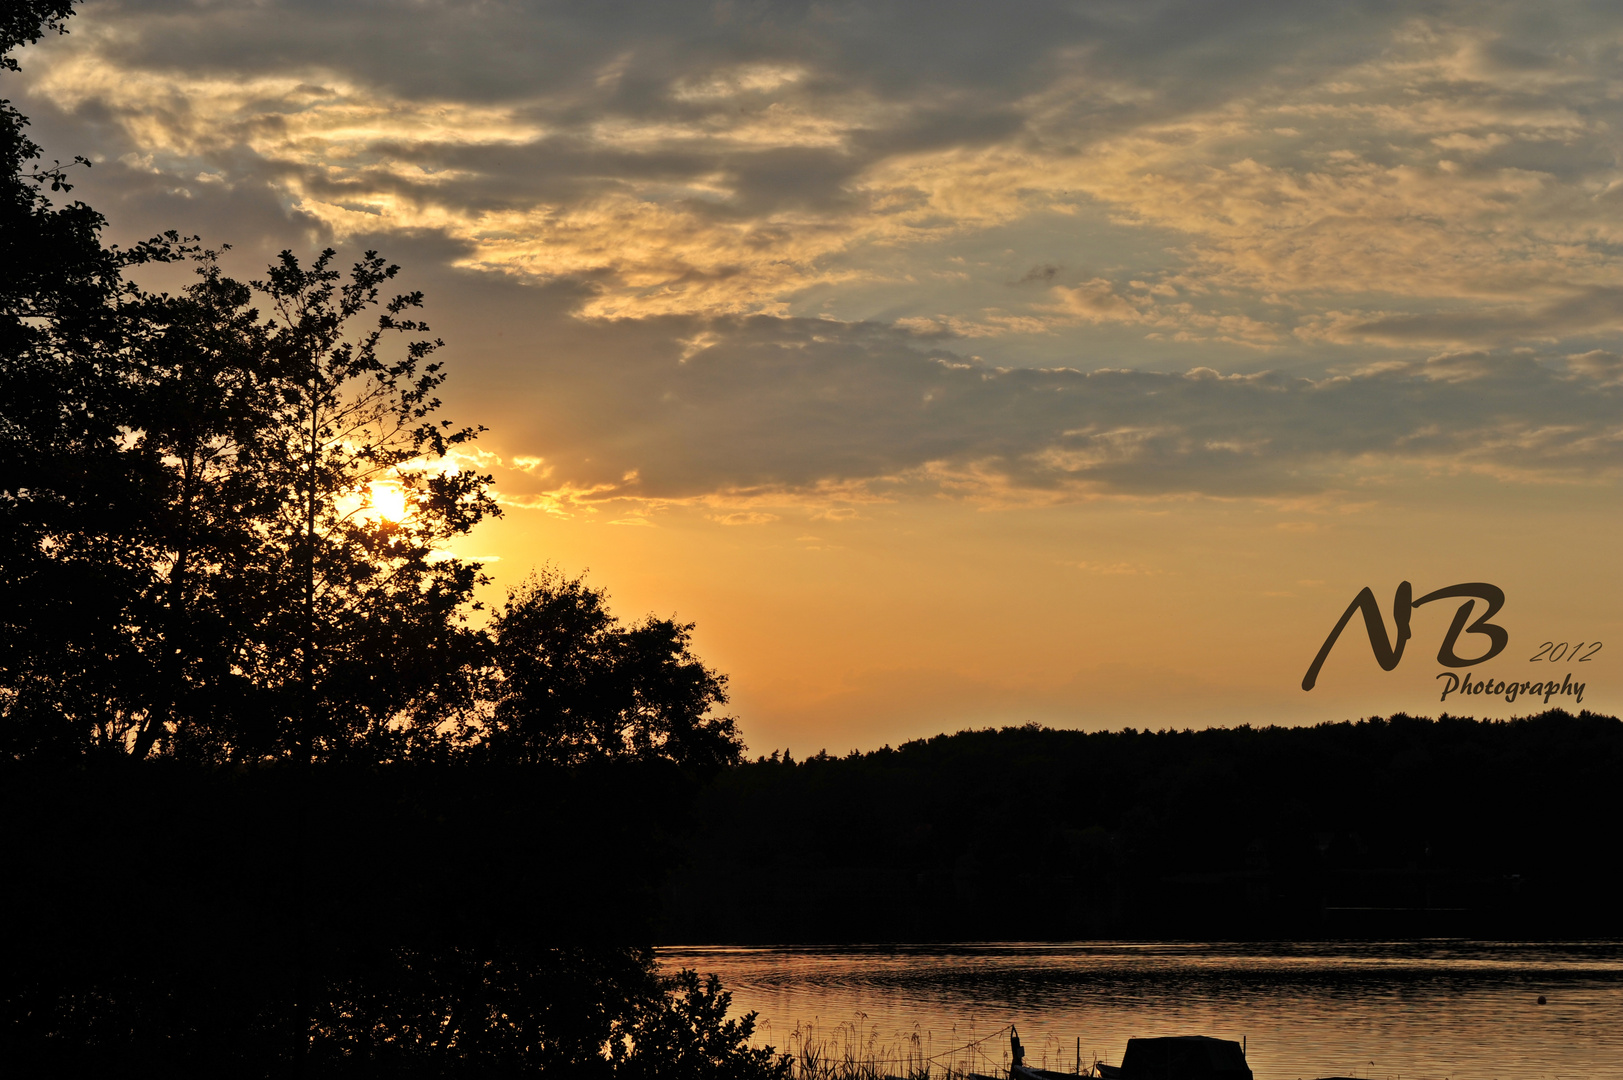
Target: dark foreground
x: 457, y: 919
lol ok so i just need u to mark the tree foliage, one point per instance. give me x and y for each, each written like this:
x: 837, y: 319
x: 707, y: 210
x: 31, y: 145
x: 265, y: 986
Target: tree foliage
x: 362, y: 635
x: 572, y: 684
x: 190, y: 561
x: 687, y: 1034
x: 237, y: 594
x: 71, y: 554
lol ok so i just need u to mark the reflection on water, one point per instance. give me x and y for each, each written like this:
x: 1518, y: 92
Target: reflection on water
x: 1413, y: 1010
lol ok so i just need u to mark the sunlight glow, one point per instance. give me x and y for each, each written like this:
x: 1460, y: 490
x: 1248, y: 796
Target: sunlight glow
x: 388, y: 501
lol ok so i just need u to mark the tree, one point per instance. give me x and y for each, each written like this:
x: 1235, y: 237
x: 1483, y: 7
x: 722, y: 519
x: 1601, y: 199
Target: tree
x: 571, y: 684
x: 203, y: 394
x: 72, y: 561
x: 362, y: 631
x: 687, y: 1034
x: 192, y: 558
x: 288, y: 614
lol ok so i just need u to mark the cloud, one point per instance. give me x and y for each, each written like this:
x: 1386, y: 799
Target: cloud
x: 1603, y: 367
x: 1588, y: 310
x: 824, y: 414
x: 745, y: 249
x: 1114, y: 569
x: 1038, y: 275
x: 1347, y: 177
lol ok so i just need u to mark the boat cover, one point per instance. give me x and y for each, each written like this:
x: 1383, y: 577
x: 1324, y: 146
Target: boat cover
x: 1184, y: 1057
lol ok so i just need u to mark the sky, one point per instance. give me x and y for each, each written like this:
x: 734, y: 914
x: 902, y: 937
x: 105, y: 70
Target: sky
x: 962, y: 364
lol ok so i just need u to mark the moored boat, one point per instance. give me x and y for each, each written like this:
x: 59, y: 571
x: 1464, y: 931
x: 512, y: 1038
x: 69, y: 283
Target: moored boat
x: 1177, y: 1057
x: 1184, y: 1057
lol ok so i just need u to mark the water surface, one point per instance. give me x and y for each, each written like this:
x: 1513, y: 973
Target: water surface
x: 1413, y: 1010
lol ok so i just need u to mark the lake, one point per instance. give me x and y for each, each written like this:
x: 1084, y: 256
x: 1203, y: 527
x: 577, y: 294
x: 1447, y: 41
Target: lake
x: 1462, y: 1010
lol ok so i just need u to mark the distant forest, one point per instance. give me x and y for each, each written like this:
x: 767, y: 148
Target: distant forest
x: 1393, y: 827
x: 1396, y: 827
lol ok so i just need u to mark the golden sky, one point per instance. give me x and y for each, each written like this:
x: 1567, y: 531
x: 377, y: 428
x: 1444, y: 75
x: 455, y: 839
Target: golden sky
x: 961, y: 364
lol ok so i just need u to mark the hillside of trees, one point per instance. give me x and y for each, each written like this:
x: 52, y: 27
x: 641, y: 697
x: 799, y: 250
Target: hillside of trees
x: 1393, y: 827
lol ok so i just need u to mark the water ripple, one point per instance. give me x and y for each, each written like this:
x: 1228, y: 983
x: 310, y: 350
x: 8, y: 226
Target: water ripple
x: 1413, y: 1010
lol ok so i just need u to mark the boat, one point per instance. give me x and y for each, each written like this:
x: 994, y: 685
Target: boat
x: 1184, y: 1057
x: 1175, y: 1057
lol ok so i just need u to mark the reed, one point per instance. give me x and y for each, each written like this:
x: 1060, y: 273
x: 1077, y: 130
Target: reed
x: 856, y: 1050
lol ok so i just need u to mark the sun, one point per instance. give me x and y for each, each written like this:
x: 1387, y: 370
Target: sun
x: 387, y: 500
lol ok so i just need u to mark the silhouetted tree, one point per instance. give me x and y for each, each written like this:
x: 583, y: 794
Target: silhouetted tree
x: 572, y: 684
x: 504, y: 1011
x: 581, y: 1012
x: 361, y: 616
x: 188, y: 559
x: 73, y: 558
x: 687, y: 1034
x: 202, y: 395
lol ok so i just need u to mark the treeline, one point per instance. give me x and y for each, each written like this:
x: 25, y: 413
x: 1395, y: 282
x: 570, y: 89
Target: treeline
x: 1383, y: 827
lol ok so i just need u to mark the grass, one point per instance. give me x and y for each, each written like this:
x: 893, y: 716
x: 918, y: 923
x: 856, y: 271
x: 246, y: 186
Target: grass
x: 856, y: 1050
